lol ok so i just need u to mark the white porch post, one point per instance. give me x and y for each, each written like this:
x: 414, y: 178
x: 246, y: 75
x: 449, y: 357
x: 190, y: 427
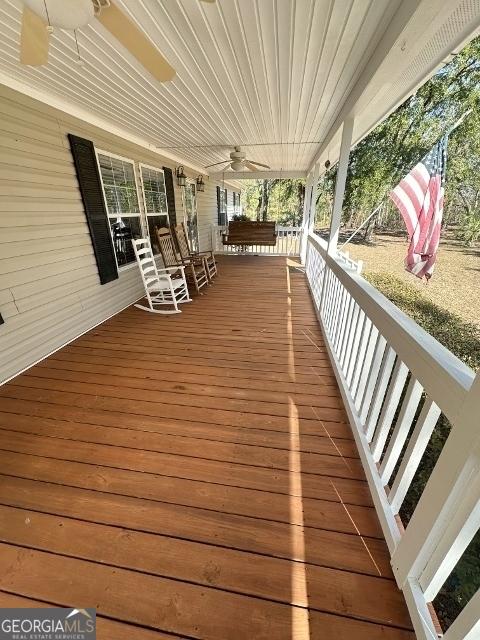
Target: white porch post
x: 306, y: 215
x: 345, y: 145
x: 309, y: 209
x: 313, y: 199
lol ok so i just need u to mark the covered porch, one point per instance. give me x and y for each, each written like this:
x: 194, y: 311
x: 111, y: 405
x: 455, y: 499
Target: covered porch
x: 236, y: 471
x: 196, y: 475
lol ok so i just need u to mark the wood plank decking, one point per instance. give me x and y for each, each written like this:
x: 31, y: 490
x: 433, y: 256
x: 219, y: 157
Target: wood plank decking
x: 194, y: 476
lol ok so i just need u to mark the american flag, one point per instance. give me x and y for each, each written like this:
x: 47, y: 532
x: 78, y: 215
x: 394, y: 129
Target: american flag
x: 419, y: 198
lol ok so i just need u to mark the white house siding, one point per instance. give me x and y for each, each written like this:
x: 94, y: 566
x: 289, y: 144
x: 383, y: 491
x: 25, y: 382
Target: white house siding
x: 49, y: 285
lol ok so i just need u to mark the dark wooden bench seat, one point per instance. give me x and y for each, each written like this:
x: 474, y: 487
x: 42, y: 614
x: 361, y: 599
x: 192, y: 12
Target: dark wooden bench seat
x: 250, y: 233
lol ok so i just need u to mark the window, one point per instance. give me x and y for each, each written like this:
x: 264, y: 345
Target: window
x: 155, y: 199
x: 222, y: 206
x: 121, y: 198
x: 236, y: 203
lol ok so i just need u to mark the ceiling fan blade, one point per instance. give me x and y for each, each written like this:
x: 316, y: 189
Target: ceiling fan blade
x: 250, y: 166
x: 257, y: 163
x: 217, y: 163
x: 34, y: 39
x: 128, y: 34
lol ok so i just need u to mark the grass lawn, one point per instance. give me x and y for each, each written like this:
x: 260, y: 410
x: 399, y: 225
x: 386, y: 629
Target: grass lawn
x: 455, y: 284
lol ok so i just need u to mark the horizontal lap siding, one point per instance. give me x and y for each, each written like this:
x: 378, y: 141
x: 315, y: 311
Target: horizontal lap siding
x: 207, y: 214
x: 49, y: 286
x: 207, y: 211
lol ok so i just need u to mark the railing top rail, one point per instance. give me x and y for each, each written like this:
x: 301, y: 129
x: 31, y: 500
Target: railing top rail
x: 445, y: 378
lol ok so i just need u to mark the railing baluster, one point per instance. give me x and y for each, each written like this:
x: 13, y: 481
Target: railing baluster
x: 325, y: 302
x: 346, y: 302
x: 362, y: 350
x: 347, y: 318
x: 390, y: 405
x: 341, y: 303
x: 366, y: 400
x: 379, y: 392
x: 355, y: 347
x: 366, y: 366
x: 351, y: 335
x: 348, y: 330
x: 334, y: 310
x: 329, y: 284
x: 400, y: 433
x: 413, y: 454
x: 340, y: 297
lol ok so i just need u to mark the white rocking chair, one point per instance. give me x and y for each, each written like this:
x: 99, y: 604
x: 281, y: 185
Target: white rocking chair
x: 163, y: 287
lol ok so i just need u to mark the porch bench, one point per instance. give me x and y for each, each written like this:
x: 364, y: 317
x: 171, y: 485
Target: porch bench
x: 247, y: 234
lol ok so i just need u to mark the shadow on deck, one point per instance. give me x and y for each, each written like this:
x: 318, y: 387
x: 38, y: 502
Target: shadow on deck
x: 195, y: 475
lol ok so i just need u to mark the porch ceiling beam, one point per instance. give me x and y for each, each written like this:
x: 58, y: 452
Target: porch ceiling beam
x: 254, y: 175
x: 403, y: 38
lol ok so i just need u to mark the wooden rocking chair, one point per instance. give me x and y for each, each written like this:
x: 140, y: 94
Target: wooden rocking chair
x: 183, y: 246
x: 194, y: 267
x: 163, y: 287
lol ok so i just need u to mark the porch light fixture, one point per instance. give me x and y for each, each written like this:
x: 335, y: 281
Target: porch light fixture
x: 200, y: 183
x: 181, y: 177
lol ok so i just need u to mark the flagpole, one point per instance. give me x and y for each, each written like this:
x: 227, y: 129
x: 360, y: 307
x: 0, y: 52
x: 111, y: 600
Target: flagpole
x: 362, y: 225
x: 459, y: 121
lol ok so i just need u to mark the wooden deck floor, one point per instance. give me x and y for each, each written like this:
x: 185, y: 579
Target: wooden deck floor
x: 194, y: 476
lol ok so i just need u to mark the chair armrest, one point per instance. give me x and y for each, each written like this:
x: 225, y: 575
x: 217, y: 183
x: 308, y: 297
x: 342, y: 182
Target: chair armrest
x: 169, y: 270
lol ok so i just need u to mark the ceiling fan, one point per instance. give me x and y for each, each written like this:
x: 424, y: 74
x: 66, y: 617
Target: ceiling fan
x: 238, y: 161
x: 41, y: 17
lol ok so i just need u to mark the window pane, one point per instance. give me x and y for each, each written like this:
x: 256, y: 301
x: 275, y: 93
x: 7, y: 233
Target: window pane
x: 154, y: 190
x: 118, y: 177
x: 124, y: 230
x: 156, y: 221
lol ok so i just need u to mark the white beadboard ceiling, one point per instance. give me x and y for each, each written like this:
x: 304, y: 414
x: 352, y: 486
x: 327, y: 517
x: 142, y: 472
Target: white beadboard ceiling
x: 270, y: 75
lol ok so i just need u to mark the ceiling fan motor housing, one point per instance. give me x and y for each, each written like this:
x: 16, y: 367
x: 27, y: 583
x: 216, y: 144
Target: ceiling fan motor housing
x: 64, y: 14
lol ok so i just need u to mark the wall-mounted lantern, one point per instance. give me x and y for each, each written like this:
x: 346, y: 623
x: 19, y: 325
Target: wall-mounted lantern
x: 200, y: 183
x: 181, y: 177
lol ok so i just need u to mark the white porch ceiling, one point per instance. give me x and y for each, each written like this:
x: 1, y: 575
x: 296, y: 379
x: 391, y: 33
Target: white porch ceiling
x: 270, y: 75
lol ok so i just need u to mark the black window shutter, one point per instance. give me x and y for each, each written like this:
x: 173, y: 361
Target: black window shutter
x: 89, y: 181
x: 226, y: 207
x: 170, y: 190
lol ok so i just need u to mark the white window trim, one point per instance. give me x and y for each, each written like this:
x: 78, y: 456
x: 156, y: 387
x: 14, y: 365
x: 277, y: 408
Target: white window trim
x: 140, y: 214
x: 144, y: 200
x: 149, y: 166
x: 225, y: 194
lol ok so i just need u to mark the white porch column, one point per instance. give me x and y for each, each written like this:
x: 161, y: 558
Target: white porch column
x: 306, y: 215
x: 345, y: 145
x: 313, y: 199
x: 309, y: 209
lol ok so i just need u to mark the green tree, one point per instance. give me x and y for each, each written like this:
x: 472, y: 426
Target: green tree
x: 276, y: 199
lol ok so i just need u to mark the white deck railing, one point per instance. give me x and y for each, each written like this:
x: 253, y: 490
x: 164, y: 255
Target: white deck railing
x: 288, y: 243
x: 396, y: 380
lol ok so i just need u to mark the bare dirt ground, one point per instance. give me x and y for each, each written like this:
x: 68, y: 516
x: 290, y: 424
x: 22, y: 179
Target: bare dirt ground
x: 455, y: 284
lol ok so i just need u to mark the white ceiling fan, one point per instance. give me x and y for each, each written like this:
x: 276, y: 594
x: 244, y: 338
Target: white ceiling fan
x: 41, y: 17
x: 238, y: 161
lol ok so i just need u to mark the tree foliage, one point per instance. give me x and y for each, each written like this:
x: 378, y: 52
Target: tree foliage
x: 276, y: 199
